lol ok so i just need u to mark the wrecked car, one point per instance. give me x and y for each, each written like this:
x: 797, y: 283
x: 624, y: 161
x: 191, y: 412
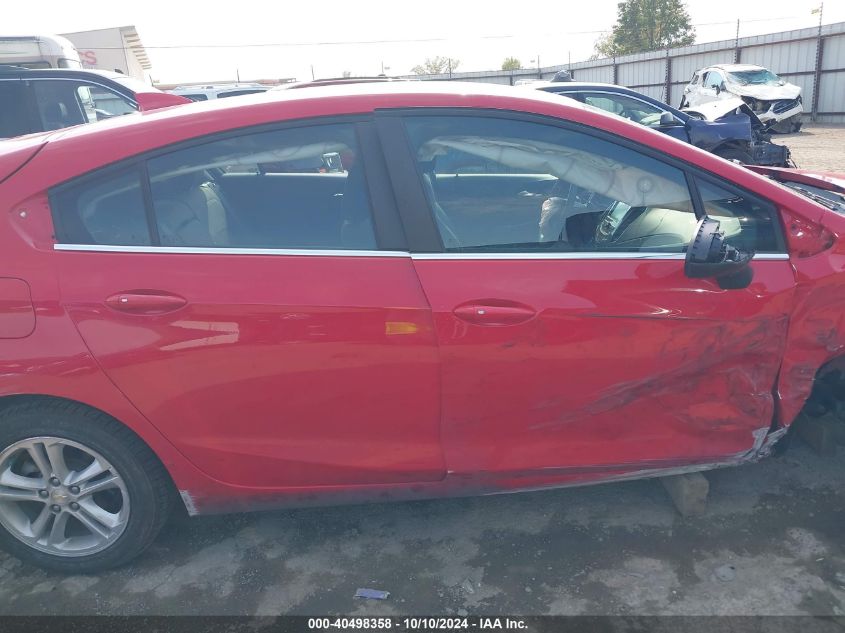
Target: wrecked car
x: 774, y: 101
x: 380, y: 292
x: 734, y: 133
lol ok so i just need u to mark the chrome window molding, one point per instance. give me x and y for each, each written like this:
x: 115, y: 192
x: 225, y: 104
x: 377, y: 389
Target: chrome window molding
x: 575, y: 256
x: 201, y: 250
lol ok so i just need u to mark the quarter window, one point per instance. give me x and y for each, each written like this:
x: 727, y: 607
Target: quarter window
x: 106, y: 210
x: 499, y: 185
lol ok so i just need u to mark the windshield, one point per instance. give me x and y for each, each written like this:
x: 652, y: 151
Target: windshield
x: 761, y: 77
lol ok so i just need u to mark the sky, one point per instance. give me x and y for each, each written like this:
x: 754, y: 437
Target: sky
x: 217, y: 40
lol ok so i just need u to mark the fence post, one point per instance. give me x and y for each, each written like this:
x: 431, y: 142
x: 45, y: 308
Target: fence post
x: 615, y: 71
x: 817, y: 75
x: 737, y: 49
x: 667, y: 99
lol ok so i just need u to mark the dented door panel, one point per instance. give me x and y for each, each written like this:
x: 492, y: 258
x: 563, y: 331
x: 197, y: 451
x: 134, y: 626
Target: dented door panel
x: 817, y: 325
x: 626, y: 363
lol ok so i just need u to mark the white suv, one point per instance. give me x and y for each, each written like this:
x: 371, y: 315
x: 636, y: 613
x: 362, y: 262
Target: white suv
x: 773, y: 100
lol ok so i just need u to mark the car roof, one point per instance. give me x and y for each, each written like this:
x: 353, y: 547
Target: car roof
x: 736, y: 67
x: 543, y: 85
x: 59, y: 73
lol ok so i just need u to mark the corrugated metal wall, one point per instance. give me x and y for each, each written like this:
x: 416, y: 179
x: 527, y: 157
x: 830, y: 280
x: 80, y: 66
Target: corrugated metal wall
x: 794, y: 55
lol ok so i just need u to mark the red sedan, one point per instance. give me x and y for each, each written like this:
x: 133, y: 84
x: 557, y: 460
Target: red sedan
x: 386, y: 291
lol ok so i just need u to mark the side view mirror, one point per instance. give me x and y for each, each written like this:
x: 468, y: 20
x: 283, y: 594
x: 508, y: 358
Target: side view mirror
x: 710, y: 257
x: 667, y: 119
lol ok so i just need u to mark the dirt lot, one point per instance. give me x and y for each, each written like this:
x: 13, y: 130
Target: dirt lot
x: 772, y: 542
x: 817, y: 147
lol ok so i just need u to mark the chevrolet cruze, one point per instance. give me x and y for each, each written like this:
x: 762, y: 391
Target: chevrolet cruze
x: 386, y: 291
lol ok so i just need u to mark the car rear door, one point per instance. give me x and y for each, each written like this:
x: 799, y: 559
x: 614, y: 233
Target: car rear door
x: 252, y: 295
x: 582, y: 348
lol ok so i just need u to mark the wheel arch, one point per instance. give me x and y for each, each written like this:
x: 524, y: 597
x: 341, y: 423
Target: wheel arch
x: 171, y: 461
x: 8, y: 401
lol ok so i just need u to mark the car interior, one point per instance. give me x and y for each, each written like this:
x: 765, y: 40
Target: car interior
x: 309, y: 199
x: 500, y: 194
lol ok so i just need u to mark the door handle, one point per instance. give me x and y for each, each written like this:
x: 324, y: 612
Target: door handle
x: 145, y: 302
x: 495, y: 314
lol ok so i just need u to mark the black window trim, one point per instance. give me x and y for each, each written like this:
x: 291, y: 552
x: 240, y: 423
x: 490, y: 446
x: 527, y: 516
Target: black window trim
x: 414, y: 204
x: 390, y: 237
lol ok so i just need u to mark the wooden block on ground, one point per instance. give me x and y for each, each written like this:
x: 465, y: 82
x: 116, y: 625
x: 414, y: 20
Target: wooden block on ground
x: 689, y: 493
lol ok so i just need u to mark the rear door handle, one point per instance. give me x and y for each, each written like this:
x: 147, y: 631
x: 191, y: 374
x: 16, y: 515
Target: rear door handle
x: 495, y: 314
x: 145, y: 302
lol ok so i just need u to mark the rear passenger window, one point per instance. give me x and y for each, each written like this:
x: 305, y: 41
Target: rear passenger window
x: 294, y: 188
x: 749, y: 224
x: 106, y: 210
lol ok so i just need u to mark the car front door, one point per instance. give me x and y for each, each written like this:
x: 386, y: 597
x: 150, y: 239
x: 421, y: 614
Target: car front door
x: 580, y: 346
x: 241, y: 294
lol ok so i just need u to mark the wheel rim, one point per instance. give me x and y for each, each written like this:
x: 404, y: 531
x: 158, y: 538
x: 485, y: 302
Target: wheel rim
x: 61, y: 497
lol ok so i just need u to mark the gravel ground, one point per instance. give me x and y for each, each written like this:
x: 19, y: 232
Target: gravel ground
x: 770, y: 543
x: 819, y: 147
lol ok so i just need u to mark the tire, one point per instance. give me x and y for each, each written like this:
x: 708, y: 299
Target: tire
x: 733, y: 153
x: 121, y: 509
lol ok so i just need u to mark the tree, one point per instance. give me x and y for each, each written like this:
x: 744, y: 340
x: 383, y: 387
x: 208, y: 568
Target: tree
x: 511, y: 63
x: 647, y: 25
x: 436, y: 66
